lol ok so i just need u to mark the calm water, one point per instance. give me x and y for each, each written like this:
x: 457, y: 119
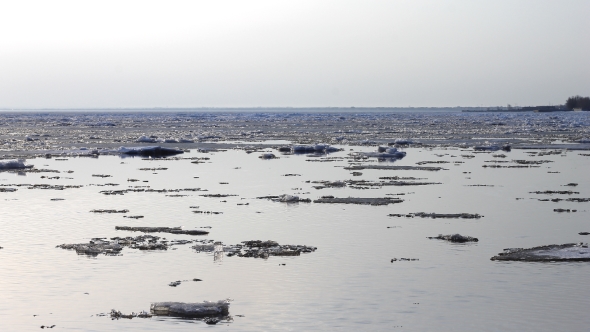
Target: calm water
x: 349, y: 283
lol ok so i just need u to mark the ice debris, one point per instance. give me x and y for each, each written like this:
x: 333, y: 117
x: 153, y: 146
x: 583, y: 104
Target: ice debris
x: 146, y: 139
x: 404, y: 259
x: 109, y: 211
x: 382, y: 153
x: 438, y: 215
x: 151, y: 151
x: 492, y: 147
x: 317, y: 148
x: 94, y: 247
x: 286, y: 198
x: 455, y: 238
x: 358, y: 200
x: 115, y: 314
x: 397, y: 168
x: 97, y: 246
x: 255, y: 249
x: 403, y: 141
x: 14, y: 164
x: 193, y: 310
x: 267, y: 156
x: 564, y: 210
x: 551, y: 192
x: 555, y: 252
x: 173, y: 230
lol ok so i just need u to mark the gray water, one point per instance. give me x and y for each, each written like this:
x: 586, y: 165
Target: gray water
x: 348, y: 284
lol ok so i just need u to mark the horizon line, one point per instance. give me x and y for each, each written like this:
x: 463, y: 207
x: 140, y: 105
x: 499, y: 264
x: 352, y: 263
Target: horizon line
x: 255, y: 107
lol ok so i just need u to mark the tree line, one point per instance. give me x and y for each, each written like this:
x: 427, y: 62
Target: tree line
x: 578, y: 102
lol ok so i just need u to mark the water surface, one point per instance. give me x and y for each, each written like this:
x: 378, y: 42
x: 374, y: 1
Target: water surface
x: 349, y: 283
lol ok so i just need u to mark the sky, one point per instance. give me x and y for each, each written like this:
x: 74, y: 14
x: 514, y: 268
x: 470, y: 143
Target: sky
x: 364, y: 53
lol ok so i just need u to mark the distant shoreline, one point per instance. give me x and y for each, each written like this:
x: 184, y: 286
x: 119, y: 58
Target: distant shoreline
x: 514, y: 111
x: 262, y: 110
x: 295, y: 110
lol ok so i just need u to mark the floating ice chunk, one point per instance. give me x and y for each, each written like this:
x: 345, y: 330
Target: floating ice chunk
x: 170, y: 140
x: 584, y: 140
x: 455, y: 238
x: 145, y: 139
x: 321, y: 147
x: 385, y: 153
x: 204, y: 137
x: 287, y: 198
x: 389, y: 167
x: 562, y: 253
x: 267, y: 156
x: 14, y: 164
x: 358, y: 200
x: 367, y: 142
x: 154, y: 151
x: 403, y: 141
x: 324, y: 147
x: 173, y: 230
x: 94, y: 247
x: 204, y: 247
x: 181, y: 309
x: 302, y: 148
x: 493, y: 147
x: 116, y: 314
x: 185, y: 140
x: 391, y: 150
x: 486, y: 148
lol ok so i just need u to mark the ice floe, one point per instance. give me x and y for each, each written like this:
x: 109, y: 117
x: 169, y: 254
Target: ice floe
x: 317, y: 148
x: 146, y: 139
x: 173, y: 230
x: 14, y: 164
x: 554, y: 252
x: 458, y: 238
x: 151, y: 151
x: 253, y: 249
x: 196, y: 310
x: 383, y: 153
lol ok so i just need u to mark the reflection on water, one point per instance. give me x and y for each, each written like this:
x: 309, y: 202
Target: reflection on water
x: 217, y: 252
x: 349, y: 283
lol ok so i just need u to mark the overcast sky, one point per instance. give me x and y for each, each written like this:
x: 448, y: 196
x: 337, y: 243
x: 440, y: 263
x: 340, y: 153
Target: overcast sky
x: 292, y: 53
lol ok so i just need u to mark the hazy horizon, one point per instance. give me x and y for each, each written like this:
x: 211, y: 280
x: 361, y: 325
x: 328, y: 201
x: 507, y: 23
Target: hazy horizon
x: 353, y: 109
x: 300, y: 54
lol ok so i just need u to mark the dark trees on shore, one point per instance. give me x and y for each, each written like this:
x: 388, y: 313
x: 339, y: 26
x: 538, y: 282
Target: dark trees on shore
x: 578, y: 102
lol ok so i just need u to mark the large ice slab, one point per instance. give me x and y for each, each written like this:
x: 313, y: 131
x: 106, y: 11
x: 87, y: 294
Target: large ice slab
x: 389, y: 167
x: 458, y: 238
x: 173, y: 230
x: 13, y: 164
x: 151, y: 151
x: 569, y: 252
x: 358, y: 200
x: 196, y: 310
